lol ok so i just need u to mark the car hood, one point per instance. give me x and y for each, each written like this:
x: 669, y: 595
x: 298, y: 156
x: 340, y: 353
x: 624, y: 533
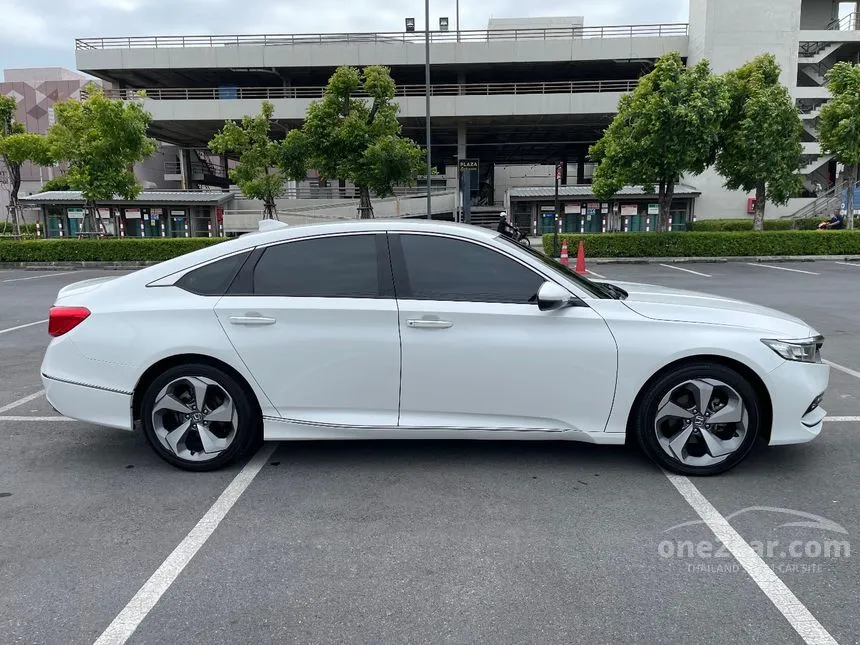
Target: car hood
x: 82, y: 287
x: 665, y: 303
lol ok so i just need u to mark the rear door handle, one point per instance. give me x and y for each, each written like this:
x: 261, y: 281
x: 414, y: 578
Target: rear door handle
x: 428, y: 323
x: 251, y: 320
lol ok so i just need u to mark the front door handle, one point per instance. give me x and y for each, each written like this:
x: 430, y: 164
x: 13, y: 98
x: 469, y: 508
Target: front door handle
x: 428, y: 323
x: 251, y: 320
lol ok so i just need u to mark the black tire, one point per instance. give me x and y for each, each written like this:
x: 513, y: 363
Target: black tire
x: 248, y: 429
x: 525, y: 242
x: 646, y: 431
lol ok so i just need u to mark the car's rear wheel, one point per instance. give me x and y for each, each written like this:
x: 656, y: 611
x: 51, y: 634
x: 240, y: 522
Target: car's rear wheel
x: 198, y: 417
x: 701, y: 419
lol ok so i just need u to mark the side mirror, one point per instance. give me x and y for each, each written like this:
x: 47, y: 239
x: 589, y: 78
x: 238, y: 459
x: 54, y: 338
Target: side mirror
x: 552, y: 296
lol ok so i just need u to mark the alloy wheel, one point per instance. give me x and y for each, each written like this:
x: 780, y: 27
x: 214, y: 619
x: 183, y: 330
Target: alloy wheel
x: 195, y: 418
x: 701, y: 422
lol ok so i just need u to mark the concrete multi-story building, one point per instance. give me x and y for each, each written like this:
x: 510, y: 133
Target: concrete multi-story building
x: 519, y: 96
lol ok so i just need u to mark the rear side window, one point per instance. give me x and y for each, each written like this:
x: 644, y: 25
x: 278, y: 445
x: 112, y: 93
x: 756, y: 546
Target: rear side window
x: 341, y: 266
x: 214, y: 278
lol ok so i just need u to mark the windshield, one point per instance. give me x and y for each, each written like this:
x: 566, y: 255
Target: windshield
x: 596, y: 290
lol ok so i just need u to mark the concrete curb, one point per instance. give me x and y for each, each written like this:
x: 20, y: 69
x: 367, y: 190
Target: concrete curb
x: 72, y: 266
x: 126, y: 266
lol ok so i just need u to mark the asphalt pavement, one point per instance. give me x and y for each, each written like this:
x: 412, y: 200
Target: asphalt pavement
x: 430, y: 542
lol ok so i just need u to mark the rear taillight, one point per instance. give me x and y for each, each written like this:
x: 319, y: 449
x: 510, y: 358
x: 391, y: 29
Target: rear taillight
x: 62, y: 320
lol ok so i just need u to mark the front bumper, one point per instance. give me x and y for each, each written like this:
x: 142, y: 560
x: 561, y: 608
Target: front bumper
x: 95, y: 405
x: 793, y: 386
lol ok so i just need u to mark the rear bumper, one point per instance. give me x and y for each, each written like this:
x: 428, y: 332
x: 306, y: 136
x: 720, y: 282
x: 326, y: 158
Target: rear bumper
x: 95, y: 405
x: 793, y: 386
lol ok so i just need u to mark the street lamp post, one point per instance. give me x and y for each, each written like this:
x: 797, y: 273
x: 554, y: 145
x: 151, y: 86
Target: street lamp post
x: 556, y: 220
x: 427, y: 95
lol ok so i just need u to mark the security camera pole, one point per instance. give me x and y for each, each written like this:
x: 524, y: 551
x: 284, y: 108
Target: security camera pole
x: 427, y: 95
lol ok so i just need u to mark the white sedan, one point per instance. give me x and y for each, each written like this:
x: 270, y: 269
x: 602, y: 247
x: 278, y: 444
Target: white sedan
x: 414, y: 329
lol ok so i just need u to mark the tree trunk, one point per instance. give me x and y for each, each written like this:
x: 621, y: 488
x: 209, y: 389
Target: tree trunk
x: 667, y: 192
x: 270, y: 210
x: 92, y: 216
x: 758, y: 213
x: 365, y: 208
x: 849, y: 198
x: 15, y: 186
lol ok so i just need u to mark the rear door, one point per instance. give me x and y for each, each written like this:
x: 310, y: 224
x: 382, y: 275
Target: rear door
x: 315, y: 321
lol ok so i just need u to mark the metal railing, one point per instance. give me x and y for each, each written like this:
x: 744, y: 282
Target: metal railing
x: 848, y: 22
x: 464, y: 89
x: 395, y: 37
x: 824, y: 204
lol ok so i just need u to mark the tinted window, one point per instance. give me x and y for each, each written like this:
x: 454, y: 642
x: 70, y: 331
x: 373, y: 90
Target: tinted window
x: 343, y: 266
x: 440, y: 268
x: 213, y: 278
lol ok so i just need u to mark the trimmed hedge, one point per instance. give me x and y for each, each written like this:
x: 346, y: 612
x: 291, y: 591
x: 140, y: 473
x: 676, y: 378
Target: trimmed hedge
x: 801, y: 224
x: 703, y: 245
x: 713, y: 225
x: 111, y: 250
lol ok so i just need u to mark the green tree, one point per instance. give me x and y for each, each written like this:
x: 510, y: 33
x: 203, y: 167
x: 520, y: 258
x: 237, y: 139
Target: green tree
x: 348, y: 137
x: 57, y: 183
x: 256, y: 173
x: 668, y: 126
x: 839, y: 124
x: 101, y: 139
x: 760, y: 145
x: 17, y: 147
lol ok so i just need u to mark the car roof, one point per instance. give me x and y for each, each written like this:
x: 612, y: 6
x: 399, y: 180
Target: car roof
x: 283, y: 234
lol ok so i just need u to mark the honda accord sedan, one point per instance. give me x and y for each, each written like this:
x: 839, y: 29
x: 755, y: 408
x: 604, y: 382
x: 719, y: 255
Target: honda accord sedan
x: 413, y: 329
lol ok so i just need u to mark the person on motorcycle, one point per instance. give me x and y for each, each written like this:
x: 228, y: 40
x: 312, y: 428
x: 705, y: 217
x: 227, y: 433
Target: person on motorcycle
x: 505, y: 227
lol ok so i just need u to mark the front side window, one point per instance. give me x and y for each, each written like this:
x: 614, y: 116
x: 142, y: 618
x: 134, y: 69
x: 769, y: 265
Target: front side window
x: 341, y: 266
x: 441, y: 268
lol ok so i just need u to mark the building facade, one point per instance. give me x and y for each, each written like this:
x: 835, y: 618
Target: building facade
x: 518, y: 97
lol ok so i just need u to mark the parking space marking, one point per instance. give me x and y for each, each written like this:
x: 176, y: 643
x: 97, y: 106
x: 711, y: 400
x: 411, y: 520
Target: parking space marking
x: 842, y: 419
x: 24, y: 418
x: 38, y: 322
x: 37, y: 277
x: 770, y: 266
x: 798, y: 616
x: 842, y: 368
x: 21, y: 401
x: 125, y: 624
x: 596, y: 275
x: 669, y: 266
x: 847, y: 264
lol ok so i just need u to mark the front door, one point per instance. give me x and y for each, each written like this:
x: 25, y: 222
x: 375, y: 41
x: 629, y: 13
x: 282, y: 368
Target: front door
x: 317, y: 327
x: 477, y: 351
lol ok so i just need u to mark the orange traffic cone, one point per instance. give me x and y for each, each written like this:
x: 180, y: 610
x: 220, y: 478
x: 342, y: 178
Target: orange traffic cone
x: 580, y: 259
x: 565, y: 260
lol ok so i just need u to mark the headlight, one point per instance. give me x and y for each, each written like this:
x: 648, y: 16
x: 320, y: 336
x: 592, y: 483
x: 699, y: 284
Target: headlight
x: 806, y: 350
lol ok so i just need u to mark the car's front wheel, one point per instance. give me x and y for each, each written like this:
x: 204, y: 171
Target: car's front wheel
x: 701, y: 419
x: 198, y: 417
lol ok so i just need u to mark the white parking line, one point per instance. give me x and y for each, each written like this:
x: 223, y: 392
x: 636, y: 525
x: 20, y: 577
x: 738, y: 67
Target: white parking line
x: 842, y: 419
x: 669, y: 266
x: 798, y: 616
x: 124, y: 625
x: 21, y: 401
x: 847, y: 264
x: 770, y: 266
x: 53, y: 418
x: 38, y: 322
x: 842, y: 368
x: 596, y: 275
x: 37, y: 277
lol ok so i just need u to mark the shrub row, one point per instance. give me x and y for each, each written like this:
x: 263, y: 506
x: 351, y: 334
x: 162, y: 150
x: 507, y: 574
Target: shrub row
x: 802, y: 224
x: 710, y: 244
x: 123, y: 250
